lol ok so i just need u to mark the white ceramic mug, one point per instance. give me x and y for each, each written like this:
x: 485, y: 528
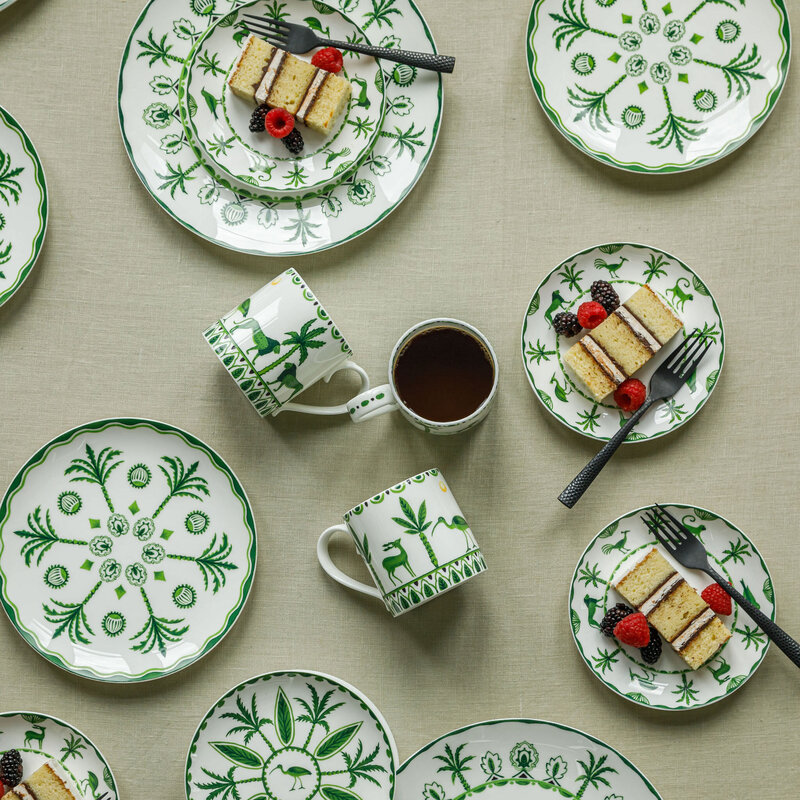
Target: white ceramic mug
x: 414, y: 540
x: 279, y: 342
x: 372, y: 403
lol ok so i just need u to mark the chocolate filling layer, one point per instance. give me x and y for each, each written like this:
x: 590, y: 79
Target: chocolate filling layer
x: 636, y: 333
x: 657, y: 589
x: 609, y: 375
x: 281, y: 55
x: 697, y: 632
x: 312, y: 95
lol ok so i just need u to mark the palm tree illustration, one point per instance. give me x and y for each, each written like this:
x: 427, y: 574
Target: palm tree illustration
x: 248, y: 719
x: 593, y: 773
x: 212, y: 562
x: 456, y: 524
x: 71, y: 617
x: 295, y: 773
x: 40, y: 537
x: 316, y: 711
x: 95, y: 469
x: 600, y: 263
x: 9, y: 186
x: 415, y: 525
x: 455, y: 764
x: 298, y: 341
x: 182, y: 482
x: 262, y: 343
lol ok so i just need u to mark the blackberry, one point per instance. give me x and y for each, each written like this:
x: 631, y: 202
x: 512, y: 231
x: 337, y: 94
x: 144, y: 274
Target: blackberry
x: 293, y: 141
x: 257, y: 124
x: 603, y: 293
x: 612, y: 617
x: 566, y: 324
x: 11, y: 768
x: 652, y: 652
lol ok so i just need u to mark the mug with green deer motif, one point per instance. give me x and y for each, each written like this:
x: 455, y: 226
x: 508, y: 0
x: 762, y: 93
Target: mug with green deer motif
x: 279, y: 342
x: 414, y: 540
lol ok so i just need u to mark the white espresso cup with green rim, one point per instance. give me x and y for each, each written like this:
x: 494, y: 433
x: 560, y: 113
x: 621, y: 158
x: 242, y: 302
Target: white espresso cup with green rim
x: 279, y: 342
x: 443, y: 376
x: 415, y: 542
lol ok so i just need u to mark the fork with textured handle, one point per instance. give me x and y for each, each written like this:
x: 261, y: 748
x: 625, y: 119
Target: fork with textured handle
x: 676, y: 369
x: 689, y: 551
x: 300, y: 39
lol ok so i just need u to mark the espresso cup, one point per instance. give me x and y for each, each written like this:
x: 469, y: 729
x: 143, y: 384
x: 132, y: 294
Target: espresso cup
x: 414, y: 540
x: 279, y: 342
x: 443, y: 376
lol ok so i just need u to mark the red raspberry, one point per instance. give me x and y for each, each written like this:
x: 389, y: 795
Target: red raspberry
x: 718, y: 599
x: 591, y: 314
x: 329, y: 59
x: 279, y: 123
x: 630, y: 394
x: 633, y: 630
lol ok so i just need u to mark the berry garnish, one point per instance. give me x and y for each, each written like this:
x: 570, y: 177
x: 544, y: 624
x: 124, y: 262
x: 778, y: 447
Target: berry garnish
x: 566, y: 324
x: 630, y: 394
x: 257, y: 118
x: 613, y: 616
x: 11, y: 768
x: 329, y: 59
x: 294, y: 142
x: 591, y: 314
x: 279, y: 123
x: 633, y: 630
x: 651, y: 652
x: 718, y: 599
x: 603, y: 293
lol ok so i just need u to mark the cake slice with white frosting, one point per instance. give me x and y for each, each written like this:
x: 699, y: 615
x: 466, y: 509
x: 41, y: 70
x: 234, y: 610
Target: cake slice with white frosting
x: 49, y: 782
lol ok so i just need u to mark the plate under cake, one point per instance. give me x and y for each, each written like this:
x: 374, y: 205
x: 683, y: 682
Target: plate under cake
x: 49, y: 782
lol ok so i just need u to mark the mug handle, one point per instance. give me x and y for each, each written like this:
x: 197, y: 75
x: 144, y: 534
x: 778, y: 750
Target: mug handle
x: 344, y: 408
x: 340, y: 577
x: 372, y: 403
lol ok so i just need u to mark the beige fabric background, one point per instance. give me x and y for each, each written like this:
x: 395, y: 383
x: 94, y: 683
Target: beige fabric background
x: 110, y: 321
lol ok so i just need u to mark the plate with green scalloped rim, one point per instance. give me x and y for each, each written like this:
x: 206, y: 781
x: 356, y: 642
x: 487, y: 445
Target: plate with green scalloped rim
x: 627, y: 267
x: 520, y: 759
x: 658, y: 88
x: 23, y: 205
x: 140, y: 542
x: 669, y: 684
x: 39, y: 738
x: 292, y: 735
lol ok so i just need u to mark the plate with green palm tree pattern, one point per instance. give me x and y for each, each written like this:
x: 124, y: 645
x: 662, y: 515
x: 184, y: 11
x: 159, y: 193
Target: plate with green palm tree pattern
x: 178, y: 173
x: 669, y: 684
x: 297, y: 735
x: 520, y: 758
x: 23, y: 205
x: 39, y: 738
x: 658, y: 87
x: 140, y: 546
x: 221, y: 120
x: 627, y: 267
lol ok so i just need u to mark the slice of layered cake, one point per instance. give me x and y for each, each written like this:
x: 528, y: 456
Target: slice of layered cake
x: 49, y: 782
x: 674, y: 609
x: 623, y: 343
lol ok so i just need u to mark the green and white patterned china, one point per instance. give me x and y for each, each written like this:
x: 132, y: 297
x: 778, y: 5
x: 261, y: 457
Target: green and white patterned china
x: 414, y: 540
x: 39, y: 738
x: 658, y: 87
x: 184, y: 182
x: 23, y: 205
x: 127, y: 550
x: 221, y: 120
x: 520, y: 759
x: 669, y: 684
x: 297, y: 735
x: 626, y: 267
x: 382, y: 399
x: 279, y: 342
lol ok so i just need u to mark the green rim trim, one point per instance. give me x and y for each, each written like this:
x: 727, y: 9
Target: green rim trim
x: 194, y: 443
x: 614, y: 688
x: 664, y: 169
x: 38, y: 240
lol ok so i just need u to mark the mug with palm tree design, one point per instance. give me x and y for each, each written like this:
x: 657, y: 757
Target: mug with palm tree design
x: 280, y: 341
x: 414, y: 540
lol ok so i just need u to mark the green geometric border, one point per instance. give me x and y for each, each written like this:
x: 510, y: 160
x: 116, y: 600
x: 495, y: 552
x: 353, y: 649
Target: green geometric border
x: 43, y: 203
x: 363, y: 701
x: 757, y: 121
x: 606, y: 438
x: 527, y: 721
x: 194, y: 443
x: 304, y: 251
x: 614, y: 688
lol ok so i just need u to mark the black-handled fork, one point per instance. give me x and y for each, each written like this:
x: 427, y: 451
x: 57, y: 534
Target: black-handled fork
x: 300, y: 39
x: 689, y: 551
x: 676, y: 369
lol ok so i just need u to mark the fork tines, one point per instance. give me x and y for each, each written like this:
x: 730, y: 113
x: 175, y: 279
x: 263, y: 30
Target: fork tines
x: 268, y: 22
x: 684, y: 360
x: 668, y: 530
x: 274, y: 31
